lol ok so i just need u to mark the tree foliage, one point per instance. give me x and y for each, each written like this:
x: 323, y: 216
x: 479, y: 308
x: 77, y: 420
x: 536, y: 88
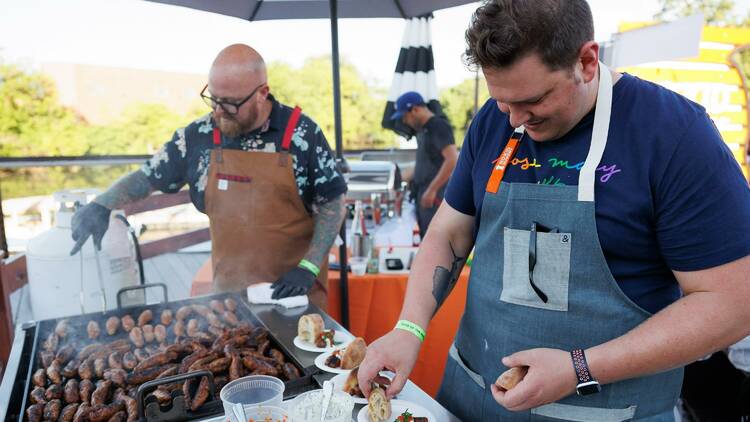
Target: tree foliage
x: 715, y: 12
x: 458, y: 105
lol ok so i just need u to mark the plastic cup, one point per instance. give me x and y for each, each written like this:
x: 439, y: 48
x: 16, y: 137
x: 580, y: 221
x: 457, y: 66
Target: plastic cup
x: 251, y: 392
x: 358, y: 264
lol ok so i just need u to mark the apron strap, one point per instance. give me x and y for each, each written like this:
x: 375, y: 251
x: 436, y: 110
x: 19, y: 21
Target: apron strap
x: 217, y: 144
x: 587, y: 177
x: 289, y: 131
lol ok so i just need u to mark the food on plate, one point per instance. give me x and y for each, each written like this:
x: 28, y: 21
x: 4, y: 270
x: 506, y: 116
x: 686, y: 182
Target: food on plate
x: 334, y: 361
x: 354, y: 354
x: 510, y: 378
x: 325, y: 338
x: 408, y: 417
x: 310, y: 327
x: 351, y: 385
x: 378, y: 406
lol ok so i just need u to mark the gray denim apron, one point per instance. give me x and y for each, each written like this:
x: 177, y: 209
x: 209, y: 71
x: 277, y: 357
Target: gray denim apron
x: 585, y: 306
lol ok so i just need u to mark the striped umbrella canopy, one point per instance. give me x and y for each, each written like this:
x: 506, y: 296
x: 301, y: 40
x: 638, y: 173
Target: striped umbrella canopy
x: 415, y: 71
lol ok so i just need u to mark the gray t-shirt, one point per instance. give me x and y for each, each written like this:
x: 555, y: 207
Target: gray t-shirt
x: 434, y: 136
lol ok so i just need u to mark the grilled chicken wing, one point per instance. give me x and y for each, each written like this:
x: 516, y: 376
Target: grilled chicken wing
x: 35, y: 412
x: 53, y: 392
x: 52, y: 410
x: 71, y: 392
x: 37, y: 395
x: 86, y: 387
x: 40, y: 377
x: 68, y: 412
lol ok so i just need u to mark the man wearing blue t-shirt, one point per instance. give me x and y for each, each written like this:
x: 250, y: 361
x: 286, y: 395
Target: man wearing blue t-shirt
x: 611, y: 230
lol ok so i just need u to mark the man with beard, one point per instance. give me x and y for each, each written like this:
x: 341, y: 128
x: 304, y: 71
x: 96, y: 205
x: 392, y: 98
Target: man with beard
x: 262, y: 172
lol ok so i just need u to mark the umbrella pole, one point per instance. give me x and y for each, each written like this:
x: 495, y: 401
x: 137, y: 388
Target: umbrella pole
x: 343, y: 278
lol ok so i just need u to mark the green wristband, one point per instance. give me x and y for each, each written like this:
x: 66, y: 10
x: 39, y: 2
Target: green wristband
x: 412, y: 328
x: 309, y: 266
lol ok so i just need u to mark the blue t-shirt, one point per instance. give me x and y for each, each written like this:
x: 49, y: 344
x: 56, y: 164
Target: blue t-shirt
x: 669, y: 194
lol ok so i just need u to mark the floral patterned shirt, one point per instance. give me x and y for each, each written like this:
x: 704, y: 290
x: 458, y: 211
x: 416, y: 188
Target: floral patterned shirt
x: 185, y: 158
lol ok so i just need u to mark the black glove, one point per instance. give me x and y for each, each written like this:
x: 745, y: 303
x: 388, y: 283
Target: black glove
x: 91, y: 220
x: 296, y: 282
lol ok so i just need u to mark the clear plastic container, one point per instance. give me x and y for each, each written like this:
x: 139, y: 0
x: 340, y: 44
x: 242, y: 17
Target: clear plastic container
x: 252, y: 391
x: 307, y: 407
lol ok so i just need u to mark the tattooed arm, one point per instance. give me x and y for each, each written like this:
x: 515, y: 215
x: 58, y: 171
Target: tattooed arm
x: 129, y: 188
x: 327, y: 219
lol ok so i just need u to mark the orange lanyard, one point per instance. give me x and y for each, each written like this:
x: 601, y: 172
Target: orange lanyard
x: 501, y: 162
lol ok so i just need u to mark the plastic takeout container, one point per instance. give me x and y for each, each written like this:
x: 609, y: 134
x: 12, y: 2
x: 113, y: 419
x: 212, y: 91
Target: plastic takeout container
x: 358, y: 265
x: 307, y: 407
x: 252, y: 391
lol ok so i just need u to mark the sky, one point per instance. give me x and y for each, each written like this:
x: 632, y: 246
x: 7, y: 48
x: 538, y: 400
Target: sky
x: 141, y: 34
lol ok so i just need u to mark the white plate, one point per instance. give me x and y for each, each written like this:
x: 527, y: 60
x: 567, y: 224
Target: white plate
x: 339, y: 339
x: 399, y: 407
x: 339, y: 380
x: 320, y: 362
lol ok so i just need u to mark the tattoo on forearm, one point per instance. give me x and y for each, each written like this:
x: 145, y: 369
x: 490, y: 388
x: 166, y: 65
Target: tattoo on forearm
x: 444, y: 279
x: 129, y: 188
x: 327, y: 220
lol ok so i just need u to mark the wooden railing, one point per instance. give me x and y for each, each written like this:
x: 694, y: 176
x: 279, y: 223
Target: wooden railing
x: 14, y: 275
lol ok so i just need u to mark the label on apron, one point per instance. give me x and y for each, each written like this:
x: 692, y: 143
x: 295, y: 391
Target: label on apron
x: 223, y: 184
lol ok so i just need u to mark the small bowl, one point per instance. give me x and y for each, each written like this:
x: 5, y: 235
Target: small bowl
x: 252, y: 391
x: 307, y: 407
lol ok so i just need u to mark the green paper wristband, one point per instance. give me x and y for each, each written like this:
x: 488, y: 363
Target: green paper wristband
x: 309, y: 266
x: 412, y: 328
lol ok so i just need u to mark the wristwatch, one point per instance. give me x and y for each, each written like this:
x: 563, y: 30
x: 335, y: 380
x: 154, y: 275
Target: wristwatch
x: 586, y: 383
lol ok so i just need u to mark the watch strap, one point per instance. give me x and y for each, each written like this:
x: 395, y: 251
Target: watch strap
x: 581, y: 366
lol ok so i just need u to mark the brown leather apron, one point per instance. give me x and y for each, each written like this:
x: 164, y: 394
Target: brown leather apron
x: 260, y: 228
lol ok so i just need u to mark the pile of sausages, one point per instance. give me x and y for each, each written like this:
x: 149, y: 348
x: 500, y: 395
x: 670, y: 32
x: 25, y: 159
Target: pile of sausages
x: 98, y: 383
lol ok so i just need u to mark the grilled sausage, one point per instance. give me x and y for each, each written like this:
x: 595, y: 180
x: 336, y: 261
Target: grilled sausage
x: 103, y: 412
x: 62, y: 328
x: 52, y: 410
x: 53, y: 392
x: 141, y: 355
x: 71, y: 369
x: 93, y: 330
x: 219, y: 365
x: 65, y: 354
x: 68, y: 412
x: 201, y: 310
x: 37, y: 395
x: 89, y: 350
x: 216, y: 331
x: 235, y: 368
x: 231, y: 319
x: 277, y: 356
x: 53, y: 372
x: 201, y: 395
x: 213, y: 320
x: 166, y: 317
x: 156, y: 360
x: 127, y: 323
x: 120, y: 416
x: 148, y: 333
x: 112, y: 324
x: 183, y: 313
x: 117, y: 376
x: 192, y: 327
x: 230, y: 304
x: 35, y: 412
x: 122, y: 345
x: 139, y: 377
x: 82, y: 413
x: 162, y: 395
x: 160, y: 333
x: 129, y: 361
x: 115, y: 360
x: 131, y: 406
x: 290, y: 371
x: 101, y: 394
x: 50, y: 344
x: 145, y: 317
x: 136, y: 336
x: 217, y: 306
x: 71, y: 391
x: 179, y: 329
x: 259, y: 366
x: 46, y: 358
x: 191, y: 358
x: 86, y: 387
x: 99, y: 366
x: 86, y: 369
x: 40, y: 377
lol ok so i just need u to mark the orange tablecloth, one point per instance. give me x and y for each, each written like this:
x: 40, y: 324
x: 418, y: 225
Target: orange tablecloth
x: 374, y: 306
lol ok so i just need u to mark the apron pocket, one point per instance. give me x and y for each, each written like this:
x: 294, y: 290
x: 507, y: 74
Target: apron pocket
x: 478, y: 380
x: 567, y: 412
x: 551, y: 272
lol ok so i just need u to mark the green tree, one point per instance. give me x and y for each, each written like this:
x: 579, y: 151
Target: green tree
x: 458, y: 105
x: 715, y: 12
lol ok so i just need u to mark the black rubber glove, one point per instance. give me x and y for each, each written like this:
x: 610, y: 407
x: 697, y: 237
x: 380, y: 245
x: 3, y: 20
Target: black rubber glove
x: 296, y: 282
x: 91, y: 220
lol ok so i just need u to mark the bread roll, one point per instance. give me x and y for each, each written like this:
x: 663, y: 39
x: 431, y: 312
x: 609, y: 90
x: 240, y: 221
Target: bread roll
x: 378, y: 406
x: 510, y: 378
x: 351, y: 385
x: 354, y: 354
x: 309, y: 327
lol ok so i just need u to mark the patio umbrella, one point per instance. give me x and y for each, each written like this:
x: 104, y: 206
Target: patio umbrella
x: 415, y: 71
x: 254, y: 10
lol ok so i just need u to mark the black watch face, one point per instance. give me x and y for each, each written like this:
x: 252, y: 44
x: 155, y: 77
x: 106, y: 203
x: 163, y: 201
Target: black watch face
x: 588, y: 388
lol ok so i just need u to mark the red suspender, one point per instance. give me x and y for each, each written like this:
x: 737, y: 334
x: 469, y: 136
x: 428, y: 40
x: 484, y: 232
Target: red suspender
x: 289, y: 131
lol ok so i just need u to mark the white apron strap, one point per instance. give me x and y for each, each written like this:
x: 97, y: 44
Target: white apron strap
x: 587, y: 177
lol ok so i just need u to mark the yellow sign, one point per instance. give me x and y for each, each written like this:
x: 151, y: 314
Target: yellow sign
x: 712, y: 79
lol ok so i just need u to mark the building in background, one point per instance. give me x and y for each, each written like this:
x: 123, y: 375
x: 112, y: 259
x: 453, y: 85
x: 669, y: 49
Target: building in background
x: 99, y: 94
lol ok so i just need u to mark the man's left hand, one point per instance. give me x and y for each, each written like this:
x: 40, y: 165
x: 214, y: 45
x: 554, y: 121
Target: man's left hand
x: 296, y: 282
x: 428, y: 198
x: 551, y: 377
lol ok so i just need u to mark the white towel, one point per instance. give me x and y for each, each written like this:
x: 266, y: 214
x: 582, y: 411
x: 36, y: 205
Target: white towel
x: 261, y: 294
